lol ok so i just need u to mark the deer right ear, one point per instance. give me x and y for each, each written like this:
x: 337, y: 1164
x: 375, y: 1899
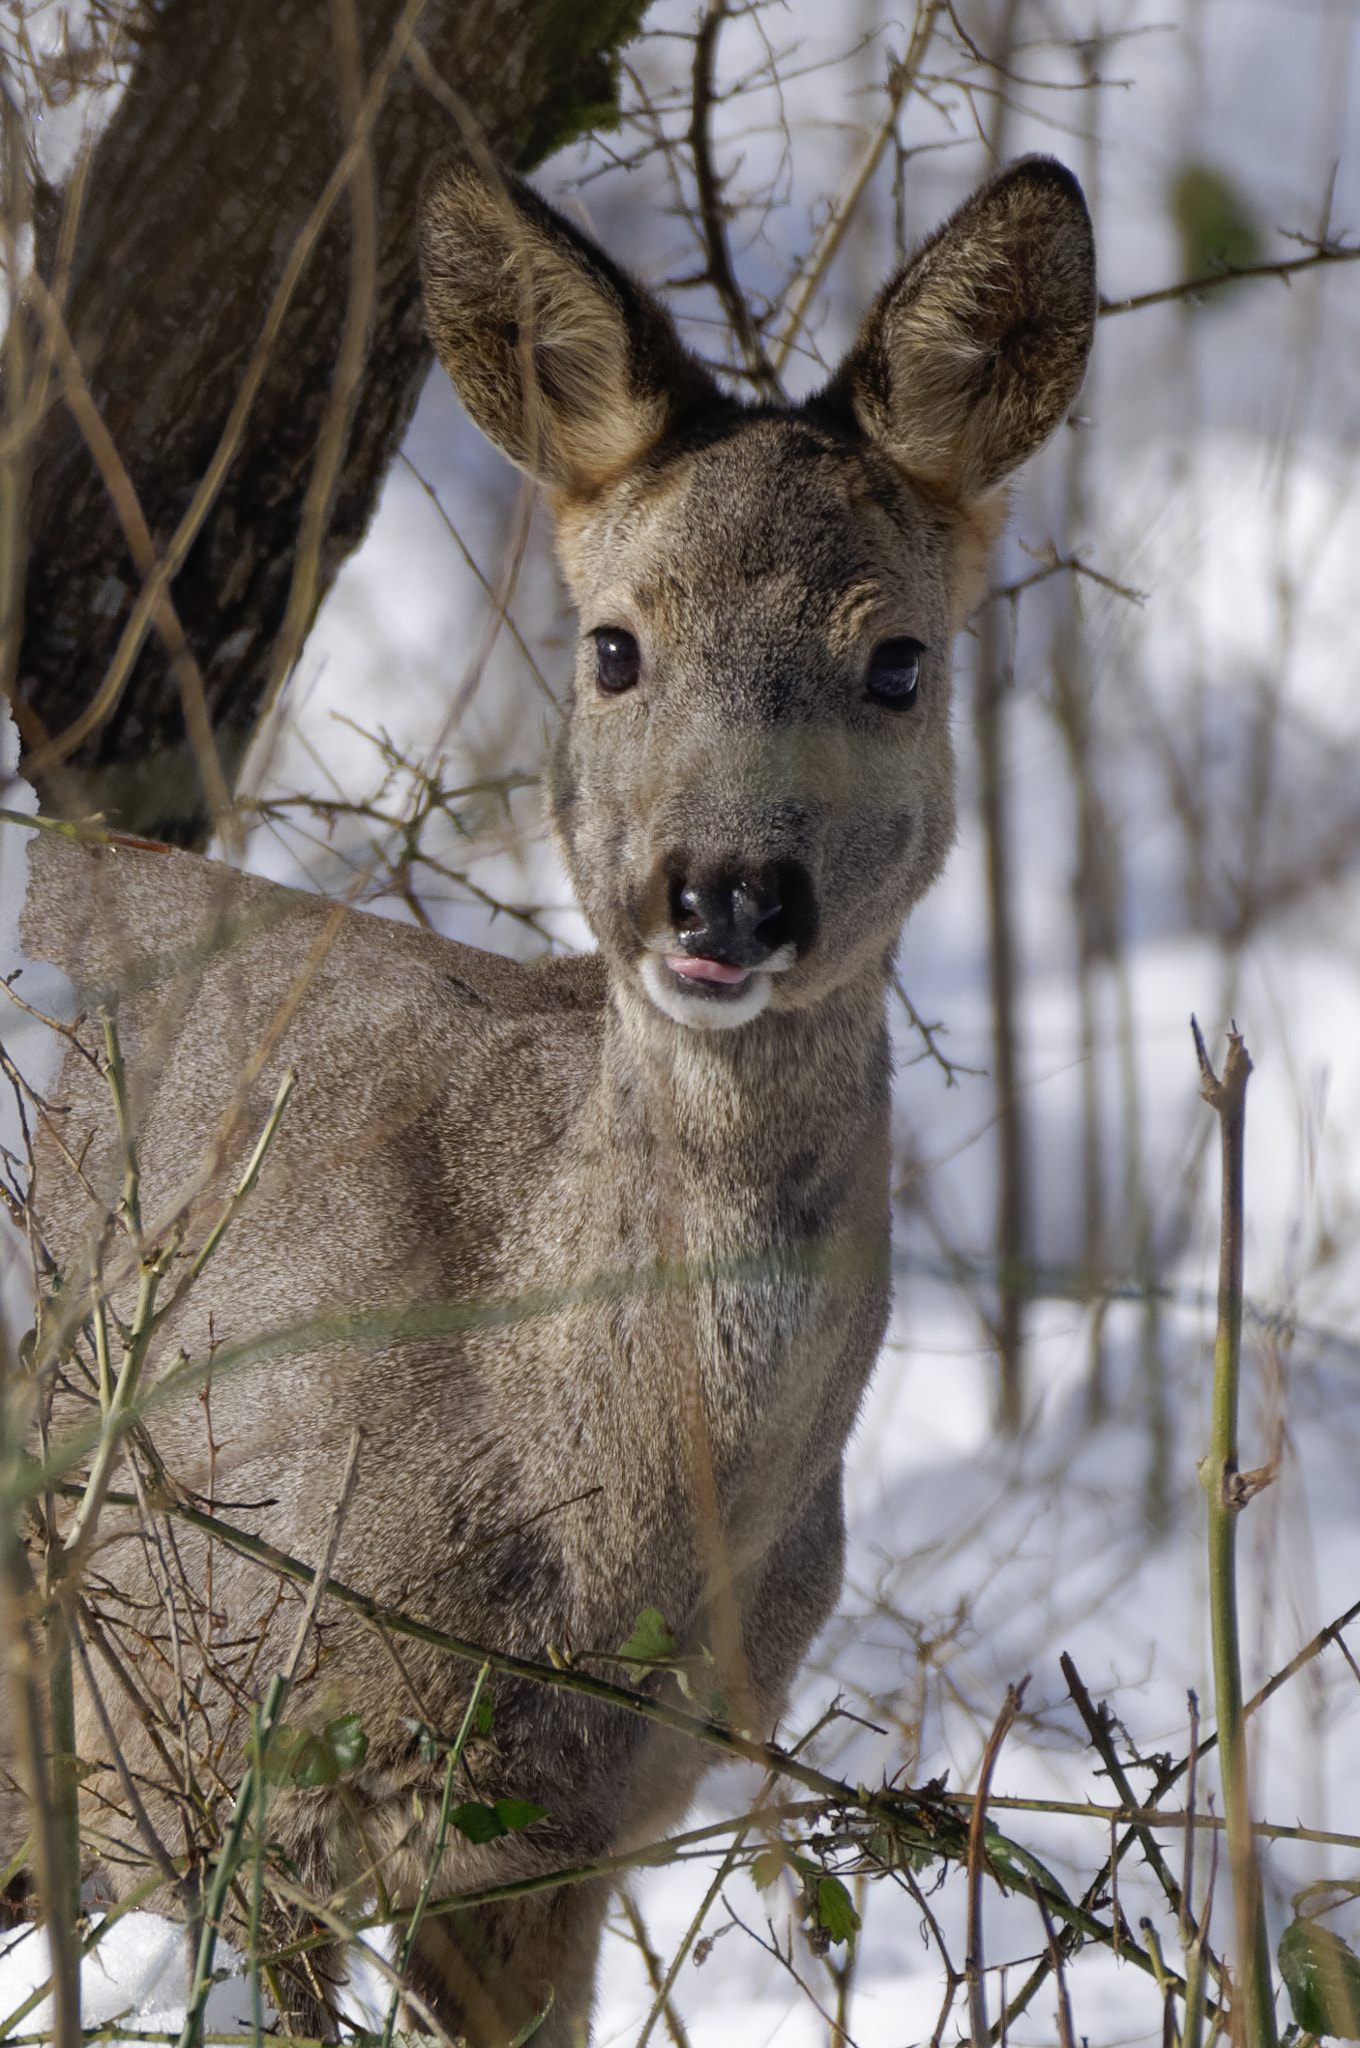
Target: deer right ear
x: 975, y: 351
x: 561, y: 360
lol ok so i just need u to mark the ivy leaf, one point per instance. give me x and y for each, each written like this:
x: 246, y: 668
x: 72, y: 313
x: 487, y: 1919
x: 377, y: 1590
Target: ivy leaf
x: 1322, y: 1976
x: 651, y: 1641
x: 834, y: 1909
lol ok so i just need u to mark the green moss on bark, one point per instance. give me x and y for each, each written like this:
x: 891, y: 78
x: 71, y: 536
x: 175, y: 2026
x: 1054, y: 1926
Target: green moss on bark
x: 572, y: 77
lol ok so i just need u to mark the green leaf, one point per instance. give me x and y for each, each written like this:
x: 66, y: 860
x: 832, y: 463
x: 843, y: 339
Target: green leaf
x: 486, y: 1714
x: 292, y: 1758
x: 425, y: 1736
x: 482, y: 1823
x: 1215, y: 221
x: 835, y: 1909
x: 297, y: 1756
x: 281, y: 1754
x: 315, y: 1764
x: 651, y: 1641
x: 347, y: 1742
x: 518, y: 1813
x: 1014, y: 1864
x: 1322, y: 1976
x: 711, y: 1704
x: 479, y: 1823
x: 766, y: 1868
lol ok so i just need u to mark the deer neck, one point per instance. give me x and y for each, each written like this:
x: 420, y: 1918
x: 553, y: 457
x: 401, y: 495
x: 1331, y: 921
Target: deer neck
x: 774, y: 1132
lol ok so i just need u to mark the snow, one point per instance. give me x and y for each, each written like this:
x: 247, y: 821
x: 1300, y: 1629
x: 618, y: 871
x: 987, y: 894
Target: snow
x: 134, y: 1977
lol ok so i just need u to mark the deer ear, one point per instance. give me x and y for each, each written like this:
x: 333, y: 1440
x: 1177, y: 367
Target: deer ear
x: 560, y: 358
x: 975, y: 351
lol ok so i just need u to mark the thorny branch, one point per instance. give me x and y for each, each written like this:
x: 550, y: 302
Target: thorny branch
x: 1319, y: 255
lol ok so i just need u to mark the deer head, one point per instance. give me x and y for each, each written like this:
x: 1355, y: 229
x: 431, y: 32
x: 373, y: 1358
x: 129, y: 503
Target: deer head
x: 754, y: 782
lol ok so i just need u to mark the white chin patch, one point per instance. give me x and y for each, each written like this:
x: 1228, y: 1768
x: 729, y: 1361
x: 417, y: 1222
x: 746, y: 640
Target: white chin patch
x: 699, y: 1010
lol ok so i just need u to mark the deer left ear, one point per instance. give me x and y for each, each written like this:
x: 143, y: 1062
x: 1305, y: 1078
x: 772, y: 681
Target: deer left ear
x: 973, y: 353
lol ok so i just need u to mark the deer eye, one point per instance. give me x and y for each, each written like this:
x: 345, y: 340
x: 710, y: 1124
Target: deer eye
x: 617, y: 661
x: 894, y: 671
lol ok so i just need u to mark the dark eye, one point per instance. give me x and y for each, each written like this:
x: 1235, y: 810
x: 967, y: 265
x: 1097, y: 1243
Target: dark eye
x: 894, y: 671
x: 617, y: 660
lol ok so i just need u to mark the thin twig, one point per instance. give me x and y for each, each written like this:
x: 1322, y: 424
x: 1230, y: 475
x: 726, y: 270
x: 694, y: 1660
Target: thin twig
x: 651, y: 1962
x: 901, y: 80
x: 349, y: 367
x: 974, y: 1968
x: 1098, y: 1730
x: 661, y: 2003
x: 454, y: 1759
x: 1056, y: 565
x: 951, y: 1069
x: 29, y: 1738
x: 156, y: 1849
x: 488, y: 587
x: 1066, y: 2038
x: 1194, y: 1940
x: 718, y: 254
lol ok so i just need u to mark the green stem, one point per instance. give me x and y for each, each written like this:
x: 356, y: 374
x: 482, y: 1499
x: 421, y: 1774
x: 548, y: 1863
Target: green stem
x: 26, y: 1732
x: 253, y: 1971
x: 65, y: 1780
x: 1223, y: 1485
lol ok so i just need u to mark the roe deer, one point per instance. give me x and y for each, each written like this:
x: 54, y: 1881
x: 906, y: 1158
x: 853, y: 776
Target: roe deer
x: 753, y: 786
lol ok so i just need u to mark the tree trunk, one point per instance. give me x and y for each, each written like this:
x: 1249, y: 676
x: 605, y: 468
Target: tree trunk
x: 226, y: 136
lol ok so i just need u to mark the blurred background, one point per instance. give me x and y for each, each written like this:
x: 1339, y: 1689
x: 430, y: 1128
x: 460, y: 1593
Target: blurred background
x: 1158, y: 725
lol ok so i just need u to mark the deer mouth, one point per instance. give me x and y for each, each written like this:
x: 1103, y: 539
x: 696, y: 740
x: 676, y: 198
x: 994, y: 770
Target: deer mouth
x: 715, y: 978
x: 708, y: 994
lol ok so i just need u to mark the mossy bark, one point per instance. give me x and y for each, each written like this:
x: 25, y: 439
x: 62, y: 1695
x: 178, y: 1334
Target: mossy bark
x: 221, y: 145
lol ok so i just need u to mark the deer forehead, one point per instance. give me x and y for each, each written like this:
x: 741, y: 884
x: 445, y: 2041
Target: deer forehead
x: 772, y: 529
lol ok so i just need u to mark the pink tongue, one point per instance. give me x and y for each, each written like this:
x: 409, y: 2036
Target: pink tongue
x: 696, y: 968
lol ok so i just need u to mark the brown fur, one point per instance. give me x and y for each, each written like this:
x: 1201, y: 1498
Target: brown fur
x: 467, y: 1130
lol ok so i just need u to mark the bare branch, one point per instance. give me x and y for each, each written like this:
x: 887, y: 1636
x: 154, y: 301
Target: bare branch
x: 1193, y: 287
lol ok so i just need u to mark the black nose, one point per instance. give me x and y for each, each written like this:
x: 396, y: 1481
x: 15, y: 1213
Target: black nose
x: 736, y: 919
